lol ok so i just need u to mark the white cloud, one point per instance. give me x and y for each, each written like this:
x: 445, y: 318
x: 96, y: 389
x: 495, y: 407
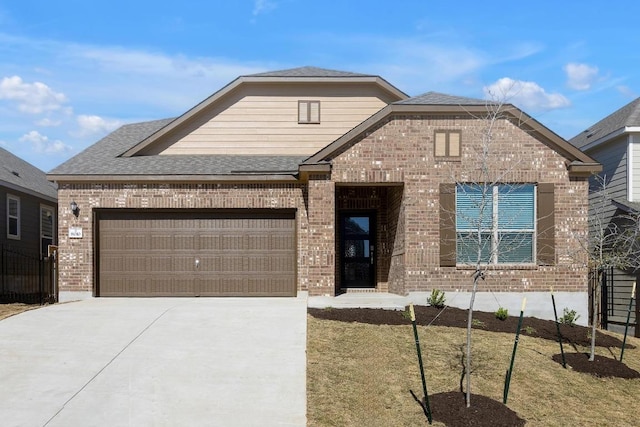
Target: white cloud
x: 90, y: 125
x: 42, y: 144
x: 442, y: 62
x: 580, y: 76
x: 626, y: 91
x: 32, y: 98
x: 526, y: 95
x: 47, y: 122
x: 116, y: 59
x: 263, y: 6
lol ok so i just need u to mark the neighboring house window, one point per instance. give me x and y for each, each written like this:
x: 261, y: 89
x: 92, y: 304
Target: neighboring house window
x: 447, y: 143
x: 308, y: 112
x: 13, y: 217
x: 47, y: 222
x: 495, y: 223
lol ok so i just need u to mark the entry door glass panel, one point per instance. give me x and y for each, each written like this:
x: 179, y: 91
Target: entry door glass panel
x: 358, y: 249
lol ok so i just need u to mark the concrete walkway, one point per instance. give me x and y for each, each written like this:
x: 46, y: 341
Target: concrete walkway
x: 361, y: 300
x: 156, y: 362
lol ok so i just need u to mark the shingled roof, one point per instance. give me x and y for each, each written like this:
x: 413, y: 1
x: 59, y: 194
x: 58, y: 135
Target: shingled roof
x: 22, y: 176
x: 309, y: 72
x: 436, y: 98
x: 104, y: 159
x: 627, y: 116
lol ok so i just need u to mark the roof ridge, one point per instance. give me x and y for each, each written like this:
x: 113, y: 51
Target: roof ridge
x: 308, y: 71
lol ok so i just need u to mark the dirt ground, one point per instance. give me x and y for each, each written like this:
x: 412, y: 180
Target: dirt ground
x: 572, y: 336
x: 8, y: 310
x: 450, y: 407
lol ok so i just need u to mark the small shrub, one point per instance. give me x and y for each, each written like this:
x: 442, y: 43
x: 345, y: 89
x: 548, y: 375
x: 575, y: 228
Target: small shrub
x: 477, y: 323
x: 406, y: 314
x: 437, y: 298
x: 502, y: 313
x: 529, y: 330
x: 569, y: 317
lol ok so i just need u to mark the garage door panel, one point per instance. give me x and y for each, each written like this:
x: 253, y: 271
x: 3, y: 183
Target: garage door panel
x: 275, y: 263
x: 135, y: 242
x: 232, y: 264
x: 185, y: 243
x: 154, y: 253
x: 131, y: 285
x: 162, y: 241
x: 210, y: 242
x: 233, y: 242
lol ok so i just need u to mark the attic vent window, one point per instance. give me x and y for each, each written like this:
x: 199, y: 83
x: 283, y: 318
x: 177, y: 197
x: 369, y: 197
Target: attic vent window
x: 447, y: 144
x: 308, y: 112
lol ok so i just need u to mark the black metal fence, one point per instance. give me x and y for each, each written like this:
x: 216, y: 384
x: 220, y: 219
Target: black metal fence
x: 27, y: 278
x: 615, y: 290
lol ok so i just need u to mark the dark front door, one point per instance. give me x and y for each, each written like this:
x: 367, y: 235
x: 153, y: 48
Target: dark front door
x: 357, y: 250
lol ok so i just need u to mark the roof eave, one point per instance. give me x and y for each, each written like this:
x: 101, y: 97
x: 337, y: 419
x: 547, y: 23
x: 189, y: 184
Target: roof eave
x: 556, y: 142
x: 604, y: 139
x: 248, y: 177
x: 583, y: 170
x: 624, y: 206
x: 186, y: 116
x: 28, y: 191
x: 388, y: 87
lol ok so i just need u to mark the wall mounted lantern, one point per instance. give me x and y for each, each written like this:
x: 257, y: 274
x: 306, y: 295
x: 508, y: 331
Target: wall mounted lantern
x: 75, y: 209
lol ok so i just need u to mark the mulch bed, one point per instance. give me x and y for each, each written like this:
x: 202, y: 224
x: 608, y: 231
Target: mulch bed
x: 450, y: 408
x: 456, y: 317
x: 601, y: 367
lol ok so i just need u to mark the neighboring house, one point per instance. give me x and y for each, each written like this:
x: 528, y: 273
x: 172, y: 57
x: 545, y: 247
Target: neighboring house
x: 28, y: 202
x: 28, y: 225
x: 615, y: 142
x: 314, y: 180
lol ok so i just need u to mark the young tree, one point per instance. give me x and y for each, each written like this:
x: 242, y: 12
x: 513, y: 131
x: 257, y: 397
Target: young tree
x: 629, y: 241
x: 607, y: 244
x: 492, y: 209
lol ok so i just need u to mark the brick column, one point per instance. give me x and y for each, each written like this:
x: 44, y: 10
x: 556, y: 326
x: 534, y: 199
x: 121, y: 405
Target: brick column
x: 322, y: 235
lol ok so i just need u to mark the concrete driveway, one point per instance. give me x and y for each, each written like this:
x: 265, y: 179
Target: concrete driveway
x: 156, y: 362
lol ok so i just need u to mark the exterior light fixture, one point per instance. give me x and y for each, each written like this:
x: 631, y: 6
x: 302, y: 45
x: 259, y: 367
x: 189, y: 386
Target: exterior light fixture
x: 75, y: 209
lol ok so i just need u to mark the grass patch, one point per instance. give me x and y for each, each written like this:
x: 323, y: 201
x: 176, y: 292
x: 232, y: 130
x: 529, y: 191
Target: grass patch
x: 8, y: 310
x: 359, y: 374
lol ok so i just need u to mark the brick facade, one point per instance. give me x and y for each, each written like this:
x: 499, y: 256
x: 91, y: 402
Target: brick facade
x: 391, y: 169
x: 401, y: 152
x: 77, y: 255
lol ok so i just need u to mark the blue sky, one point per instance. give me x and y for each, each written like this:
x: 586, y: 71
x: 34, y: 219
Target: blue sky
x: 71, y: 71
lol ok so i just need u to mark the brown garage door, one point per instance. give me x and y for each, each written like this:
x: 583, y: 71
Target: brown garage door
x: 213, y: 253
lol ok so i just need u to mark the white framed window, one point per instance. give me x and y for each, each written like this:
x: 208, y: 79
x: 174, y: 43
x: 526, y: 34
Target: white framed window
x: 47, y: 228
x: 13, y: 217
x: 495, y: 224
x: 308, y: 112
